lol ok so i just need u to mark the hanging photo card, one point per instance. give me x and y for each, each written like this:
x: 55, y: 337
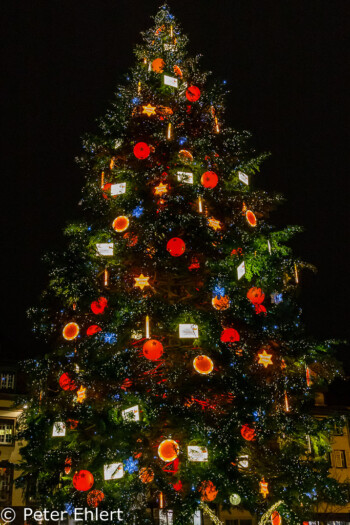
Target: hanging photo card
x: 169, y: 47
x: 170, y: 81
x: 165, y: 517
x: 188, y: 331
x: 185, y: 176
x: 243, y: 177
x: 118, y: 189
x: 241, y: 270
x: 113, y: 471
x: 59, y: 429
x: 197, y: 518
x: 196, y: 453
x: 105, y: 248
x: 243, y: 462
x: 131, y: 414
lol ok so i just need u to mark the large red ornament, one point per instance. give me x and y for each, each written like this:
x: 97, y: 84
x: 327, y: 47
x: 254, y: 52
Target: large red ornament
x: 94, y: 498
x: 203, y: 364
x: 193, y: 93
x: 99, y: 306
x: 257, y: 296
x: 152, y: 350
x: 141, y: 150
x: 83, y: 480
x: 168, y: 450
x: 158, y: 65
x: 248, y: 433
x: 209, y: 179
x: 229, y: 335
x: 276, y: 518
x: 120, y: 224
x: 208, y: 491
x: 251, y: 219
x: 176, y: 246
x: 93, y: 329
x: 70, y: 331
x: 66, y: 383
x: 106, y: 190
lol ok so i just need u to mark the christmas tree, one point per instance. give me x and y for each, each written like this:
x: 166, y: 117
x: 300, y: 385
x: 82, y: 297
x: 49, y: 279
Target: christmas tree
x: 180, y: 377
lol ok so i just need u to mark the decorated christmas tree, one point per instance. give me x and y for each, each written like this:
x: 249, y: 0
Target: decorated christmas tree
x: 179, y: 378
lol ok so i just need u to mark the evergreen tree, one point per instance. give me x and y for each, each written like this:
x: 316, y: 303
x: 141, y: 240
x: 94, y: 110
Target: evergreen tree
x: 180, y: 376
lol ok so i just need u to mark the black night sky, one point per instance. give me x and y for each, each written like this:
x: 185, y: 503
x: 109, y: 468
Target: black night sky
x: 285, y: 63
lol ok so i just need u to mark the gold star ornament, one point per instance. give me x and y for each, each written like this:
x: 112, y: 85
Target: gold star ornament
x: 265, y: 359
x: 81, y: 394
x: 141, y: 281
x: 162, y: 188
x: 149, y: 110
x: 215, y: 224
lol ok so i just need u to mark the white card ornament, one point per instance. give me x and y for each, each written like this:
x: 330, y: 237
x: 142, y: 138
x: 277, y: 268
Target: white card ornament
x: 113, y: 471
x: 131, y: 414
x: 165, y: 517
x: 241, y: 270
x: 59, y: 429
x: 105, y: 248
x: 170, y: 81
x: 185, y: 176
x: 243, y: 462
x: 169, y: 47
x: 197, y: 518
x: 118, y: 189
x: 243, y: 177
x: 188, y: 331
x: 196, y: 453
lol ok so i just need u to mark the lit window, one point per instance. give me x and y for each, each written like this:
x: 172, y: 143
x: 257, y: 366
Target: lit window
x: 6, y: 433
x: 7, y: 380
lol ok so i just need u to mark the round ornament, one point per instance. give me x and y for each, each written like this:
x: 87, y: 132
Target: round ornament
x: 235, y: 499
x: 168, y: 450
x: 93, y: 329
x: 276, y: 518
x: 146, y: 475
x: 209, y: 179
x: 208, y: 491
x: 152, y: 350
x: 185, y: 156
x: 83, y: 480
x: 248, y: 433
x: 70, y: 331
x: 120, y: 224
x: 99, y: 306
x: 203, y: 364
x: 176, y: 246
x: 131, y: 238
x: 94, y: 498
x: 66, y: 383
x: 229, y: 335
x: 193, y: 93
x: 251, y: 219
x: 158, y: 65
x: 221, y: 303
x: 141, y: 150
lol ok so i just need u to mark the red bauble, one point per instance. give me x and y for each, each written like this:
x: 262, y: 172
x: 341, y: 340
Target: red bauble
x: 141, y: 150
x: 94, y: 498
x: 193, y: 93
x: 66, y: 383
x: 276, y: 518
x: 93, y: 329
x: 248, y: 433
x: 98, y: 307
x: 209, y: 179
x: 208, y: 491
x: 229, y: 335
x: 83, y: 480
x: 106, y: 191
x: 255, y: 295
x: 176, y: 247
x: 152, y: 350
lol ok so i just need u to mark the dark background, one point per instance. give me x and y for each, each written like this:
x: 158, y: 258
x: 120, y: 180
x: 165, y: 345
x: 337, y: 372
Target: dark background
x: 285, y: 63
